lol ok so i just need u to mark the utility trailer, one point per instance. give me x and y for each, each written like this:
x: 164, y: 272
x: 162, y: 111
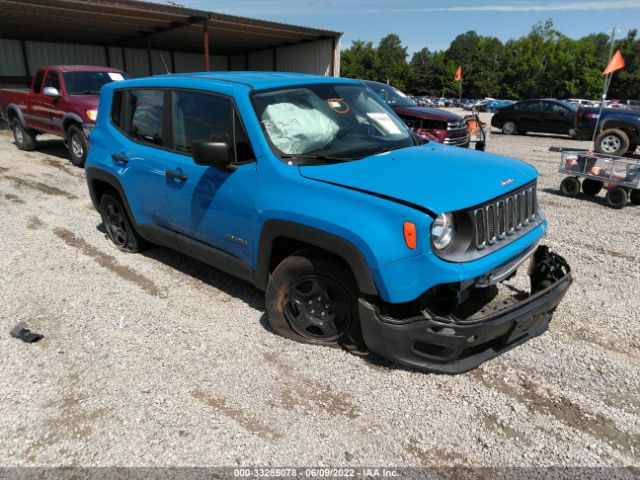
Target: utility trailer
x: 592, y: 172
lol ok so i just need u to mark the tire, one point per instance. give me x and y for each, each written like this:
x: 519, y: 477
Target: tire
x: 612, y: 142
x: 119, y: 228
x: 570, y: 186
x: 24, y: 138
x: 591, y: 187
x: 313, y: 299
x: 77, y: 145
x: 509, y: 127
x: 617, y: 197
x: 634, y: 196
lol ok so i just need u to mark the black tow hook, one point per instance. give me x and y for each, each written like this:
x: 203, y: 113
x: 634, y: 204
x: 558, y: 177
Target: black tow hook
x: 547, y: 269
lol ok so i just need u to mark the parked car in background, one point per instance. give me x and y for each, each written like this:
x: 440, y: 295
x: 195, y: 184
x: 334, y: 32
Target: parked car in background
x: 430, y: 123
x: 63, y: 101
x: 278, y: 179
x: 479, y: 105
x: 618, y: 129
x: 581, y: 102
x: 498, y: 104
x: 544, y: 116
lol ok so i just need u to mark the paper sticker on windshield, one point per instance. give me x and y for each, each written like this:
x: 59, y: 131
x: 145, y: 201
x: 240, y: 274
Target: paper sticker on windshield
x: 384, y: 121
x: 115, y: 76
x: 338, y: 105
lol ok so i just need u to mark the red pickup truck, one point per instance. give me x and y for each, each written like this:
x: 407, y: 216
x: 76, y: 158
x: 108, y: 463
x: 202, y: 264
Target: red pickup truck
x: 62, y: 100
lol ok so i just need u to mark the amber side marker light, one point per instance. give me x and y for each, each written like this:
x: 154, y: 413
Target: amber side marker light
x: 410, y: 236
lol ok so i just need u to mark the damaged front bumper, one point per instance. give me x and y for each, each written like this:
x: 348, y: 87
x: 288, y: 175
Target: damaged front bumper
x: 450, y: 344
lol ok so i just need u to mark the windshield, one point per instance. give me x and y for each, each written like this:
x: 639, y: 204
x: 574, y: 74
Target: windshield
x: 341, y: 121
x: 391, y: 95
x: 89, y: 83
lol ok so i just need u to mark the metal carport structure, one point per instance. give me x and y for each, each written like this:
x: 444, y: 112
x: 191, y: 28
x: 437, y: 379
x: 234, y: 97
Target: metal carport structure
x: 146, y: 38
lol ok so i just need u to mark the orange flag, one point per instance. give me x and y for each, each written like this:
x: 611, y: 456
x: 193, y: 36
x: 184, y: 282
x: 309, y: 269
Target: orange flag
x: 459, y: 74
x: 616, y: 63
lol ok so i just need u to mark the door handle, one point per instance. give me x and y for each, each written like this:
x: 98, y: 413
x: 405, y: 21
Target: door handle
x: 119, y: 158
x: 172, y: 174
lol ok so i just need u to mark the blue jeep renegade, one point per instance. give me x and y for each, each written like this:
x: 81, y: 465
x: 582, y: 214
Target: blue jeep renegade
x: 362, y: 234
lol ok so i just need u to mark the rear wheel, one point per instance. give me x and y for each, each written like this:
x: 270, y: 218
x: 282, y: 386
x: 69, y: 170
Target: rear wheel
x: 509, y: 127
x: 570, y: 186
x: 118, y: 225
x: 591, y: 187
x: 634, y: 196
x: 77, y: 145
x: 617, y: 197
x: 313, y: 299
x: 24, y: 138
x: 612, y: 142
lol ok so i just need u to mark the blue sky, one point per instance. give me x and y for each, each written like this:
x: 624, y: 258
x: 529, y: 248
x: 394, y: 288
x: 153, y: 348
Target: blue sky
x: 434, y: 23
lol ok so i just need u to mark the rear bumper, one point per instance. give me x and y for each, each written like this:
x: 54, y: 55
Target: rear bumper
x: 451, y: 345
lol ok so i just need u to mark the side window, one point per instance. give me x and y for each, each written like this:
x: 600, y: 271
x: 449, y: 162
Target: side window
x: 210, y: 118
x: 37, y: 82
x: 555, y: 108
x: 116, y: 108
x: 52, y: 80
x: 528, y: 106
x: 143, y: 120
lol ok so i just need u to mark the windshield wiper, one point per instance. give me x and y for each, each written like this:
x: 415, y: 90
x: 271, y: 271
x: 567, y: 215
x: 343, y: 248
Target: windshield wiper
x: 318, y: 157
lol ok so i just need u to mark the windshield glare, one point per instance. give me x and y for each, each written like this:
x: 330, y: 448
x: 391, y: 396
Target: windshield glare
x: 89, y: 83
x: 338, y: 120
x: 392, y: 95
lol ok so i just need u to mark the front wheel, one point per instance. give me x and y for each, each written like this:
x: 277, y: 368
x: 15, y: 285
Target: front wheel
x: 634, y: 196
x: 570, y: 186
x: 509, y: 127
x: 77, y: 145
x: 313, y: 299
x: 24, y: 138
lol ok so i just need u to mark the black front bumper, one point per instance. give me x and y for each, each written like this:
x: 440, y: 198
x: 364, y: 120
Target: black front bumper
x: 452, y: 345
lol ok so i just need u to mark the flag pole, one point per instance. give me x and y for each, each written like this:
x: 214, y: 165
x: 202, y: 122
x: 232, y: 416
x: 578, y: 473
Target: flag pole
x: 607, y: 82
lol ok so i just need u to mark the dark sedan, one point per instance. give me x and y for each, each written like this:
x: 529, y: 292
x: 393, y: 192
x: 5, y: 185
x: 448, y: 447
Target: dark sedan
x: 546, y: 116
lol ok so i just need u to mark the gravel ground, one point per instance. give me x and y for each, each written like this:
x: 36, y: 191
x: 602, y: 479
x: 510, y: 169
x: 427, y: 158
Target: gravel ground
x: 156, y: 359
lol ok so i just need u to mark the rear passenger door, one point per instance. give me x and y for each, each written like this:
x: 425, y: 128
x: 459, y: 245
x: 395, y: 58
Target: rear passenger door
x: 207, y: 204
x: 140, y: 159
x: 556, y: 117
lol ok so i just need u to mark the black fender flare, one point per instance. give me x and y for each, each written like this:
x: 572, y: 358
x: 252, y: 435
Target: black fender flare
x: 68, y: 118
x: 93, y: 174
x: 340, y: 247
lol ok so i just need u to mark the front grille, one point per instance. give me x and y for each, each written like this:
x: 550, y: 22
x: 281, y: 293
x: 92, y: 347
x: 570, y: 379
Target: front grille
x: 497, y: 220
x: 456, y: 125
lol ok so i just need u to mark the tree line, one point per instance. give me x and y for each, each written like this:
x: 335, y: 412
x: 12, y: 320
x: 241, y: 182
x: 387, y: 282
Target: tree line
x: 543, y: 63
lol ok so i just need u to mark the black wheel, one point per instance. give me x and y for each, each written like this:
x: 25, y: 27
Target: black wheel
x: 617, y: 197
x: 570, y: 186
x: 312, y: 299
x: 77, y: 145
x: 612, y: 142
x: 509, y: 127
x: 591, y: 187
x: 634, y: 196
x: 118, y: 226
x: 480, y: 146
x: 24, y: 138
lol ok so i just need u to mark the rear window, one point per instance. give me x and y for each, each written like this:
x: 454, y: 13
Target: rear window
x: 89, y: 83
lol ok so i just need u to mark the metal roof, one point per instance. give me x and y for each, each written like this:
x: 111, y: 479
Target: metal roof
x: 132, y: 23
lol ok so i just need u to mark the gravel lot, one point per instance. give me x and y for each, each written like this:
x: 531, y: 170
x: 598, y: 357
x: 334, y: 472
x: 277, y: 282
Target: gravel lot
x: 156, y: 359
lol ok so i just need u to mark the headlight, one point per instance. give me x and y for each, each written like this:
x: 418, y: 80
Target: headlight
x: 92, y: 114
x: 443, y: 230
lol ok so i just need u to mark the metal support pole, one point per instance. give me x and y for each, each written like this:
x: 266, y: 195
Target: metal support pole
x: 205, y: 34
x: 607, y: 82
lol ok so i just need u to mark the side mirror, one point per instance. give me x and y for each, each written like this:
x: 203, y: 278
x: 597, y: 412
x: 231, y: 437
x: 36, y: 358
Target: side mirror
x: 51, y: 92
x: 213, y: 154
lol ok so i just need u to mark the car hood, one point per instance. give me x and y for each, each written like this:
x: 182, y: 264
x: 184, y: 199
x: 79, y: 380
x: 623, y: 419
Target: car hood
x: 434, y: 177
x: 426, y: 112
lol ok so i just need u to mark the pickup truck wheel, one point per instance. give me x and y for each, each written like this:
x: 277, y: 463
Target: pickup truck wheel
x: 312, y: 299
x: 118, y: 225
x: 612, y: 142
x: 77, y: 145
x: 570, y: 186
x: 509, y: 127
x: 23, y: 138
x: 591, y: 187
x: 617, y: 197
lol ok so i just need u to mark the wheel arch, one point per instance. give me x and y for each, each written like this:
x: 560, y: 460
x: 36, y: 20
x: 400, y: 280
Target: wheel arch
x: 69, y: 119
x: 280, y: 238
x: 13, y: 111
x: 99, y: 183
x: 629, y: 128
